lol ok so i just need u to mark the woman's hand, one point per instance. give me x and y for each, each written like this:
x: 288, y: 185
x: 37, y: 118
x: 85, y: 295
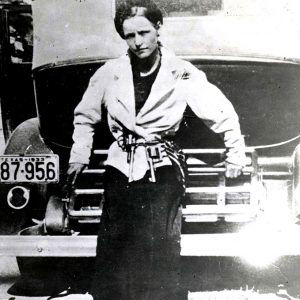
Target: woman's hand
x: 74, y: 170
x: 232, y: 170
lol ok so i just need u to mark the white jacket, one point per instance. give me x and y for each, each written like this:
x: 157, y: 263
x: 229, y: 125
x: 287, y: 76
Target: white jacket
x: 178, y: 84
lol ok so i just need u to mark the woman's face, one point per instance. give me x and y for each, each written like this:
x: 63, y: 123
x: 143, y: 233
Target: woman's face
x: 141, y: 36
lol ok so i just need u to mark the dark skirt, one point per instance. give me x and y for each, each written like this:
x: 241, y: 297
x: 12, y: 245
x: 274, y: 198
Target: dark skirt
x: 138, y: 248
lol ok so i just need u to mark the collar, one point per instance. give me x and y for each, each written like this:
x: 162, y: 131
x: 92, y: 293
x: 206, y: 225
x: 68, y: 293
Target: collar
x: 169, y: 62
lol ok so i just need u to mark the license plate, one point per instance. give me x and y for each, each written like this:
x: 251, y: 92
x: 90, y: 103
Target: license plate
x: 36, y: 168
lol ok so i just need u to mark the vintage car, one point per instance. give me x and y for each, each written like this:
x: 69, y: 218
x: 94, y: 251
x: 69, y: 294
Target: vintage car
x: 252, y: 57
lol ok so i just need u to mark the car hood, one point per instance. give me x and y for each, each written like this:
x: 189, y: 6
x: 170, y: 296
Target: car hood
x: 265, y: 95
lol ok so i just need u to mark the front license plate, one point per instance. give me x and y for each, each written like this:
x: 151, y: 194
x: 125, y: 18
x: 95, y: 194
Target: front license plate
x: 36, y: 168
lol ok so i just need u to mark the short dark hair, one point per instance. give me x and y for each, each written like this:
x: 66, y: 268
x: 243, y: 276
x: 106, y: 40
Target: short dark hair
x: 129, y: 8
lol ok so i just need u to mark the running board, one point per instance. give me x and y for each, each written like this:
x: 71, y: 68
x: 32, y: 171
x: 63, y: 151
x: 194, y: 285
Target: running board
x: 220, y: 244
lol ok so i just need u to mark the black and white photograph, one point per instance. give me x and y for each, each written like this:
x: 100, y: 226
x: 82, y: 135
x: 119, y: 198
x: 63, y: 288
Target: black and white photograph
x: 149, y: 149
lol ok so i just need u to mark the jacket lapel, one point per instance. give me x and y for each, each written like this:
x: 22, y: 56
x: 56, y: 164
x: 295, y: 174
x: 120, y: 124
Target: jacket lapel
x: 124, y: 92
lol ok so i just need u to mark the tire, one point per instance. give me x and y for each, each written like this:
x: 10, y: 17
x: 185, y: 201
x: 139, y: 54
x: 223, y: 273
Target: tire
x: 46, y: 276
x: 37, y: 273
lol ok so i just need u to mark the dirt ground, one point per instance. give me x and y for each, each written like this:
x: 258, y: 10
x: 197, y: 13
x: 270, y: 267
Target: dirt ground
x: 206, y: 278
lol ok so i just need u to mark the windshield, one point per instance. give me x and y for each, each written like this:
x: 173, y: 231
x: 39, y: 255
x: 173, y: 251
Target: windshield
x: 66, y: 29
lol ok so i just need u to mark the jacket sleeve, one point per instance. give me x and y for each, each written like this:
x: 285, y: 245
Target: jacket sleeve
x: 217, y: 112
x: 86, y: 115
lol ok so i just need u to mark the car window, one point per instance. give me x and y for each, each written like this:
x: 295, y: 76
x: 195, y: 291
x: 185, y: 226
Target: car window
x: 20, y: 37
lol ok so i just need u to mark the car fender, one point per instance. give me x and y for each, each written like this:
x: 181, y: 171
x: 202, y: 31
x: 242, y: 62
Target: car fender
x: 26, y: 140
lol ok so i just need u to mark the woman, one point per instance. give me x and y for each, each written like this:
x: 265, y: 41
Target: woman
x: 145, y: 93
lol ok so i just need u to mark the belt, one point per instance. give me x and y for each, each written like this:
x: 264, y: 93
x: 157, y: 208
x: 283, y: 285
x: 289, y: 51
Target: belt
x: 156, y: 151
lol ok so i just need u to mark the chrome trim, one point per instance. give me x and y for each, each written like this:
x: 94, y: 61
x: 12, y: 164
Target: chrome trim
x: 89, y: 191
x: 216, y: 189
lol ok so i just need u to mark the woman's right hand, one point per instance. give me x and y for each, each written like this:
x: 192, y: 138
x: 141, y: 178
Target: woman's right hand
x: 74, y: 170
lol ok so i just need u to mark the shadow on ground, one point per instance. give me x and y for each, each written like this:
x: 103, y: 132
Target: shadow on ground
x: 197, y: 274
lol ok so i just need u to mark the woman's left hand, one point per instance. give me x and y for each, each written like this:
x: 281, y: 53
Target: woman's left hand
x: 232, y: 170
